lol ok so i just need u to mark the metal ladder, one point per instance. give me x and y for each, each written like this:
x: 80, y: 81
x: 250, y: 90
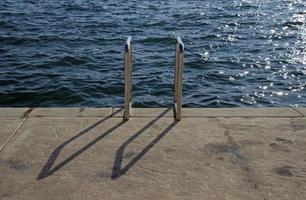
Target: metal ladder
x: 178, y: 79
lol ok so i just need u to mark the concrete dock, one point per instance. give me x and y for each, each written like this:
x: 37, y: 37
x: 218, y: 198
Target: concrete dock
x: 91, y: 153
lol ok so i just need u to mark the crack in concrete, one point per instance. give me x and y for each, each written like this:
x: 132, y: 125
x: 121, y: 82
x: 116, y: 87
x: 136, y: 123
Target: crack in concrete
x: 26, y: 116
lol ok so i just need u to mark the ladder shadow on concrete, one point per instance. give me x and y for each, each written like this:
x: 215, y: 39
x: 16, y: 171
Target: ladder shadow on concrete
x: 118, y: 169
x: 48, y: 168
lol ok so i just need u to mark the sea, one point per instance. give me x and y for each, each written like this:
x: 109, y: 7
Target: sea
x: 69, y: 53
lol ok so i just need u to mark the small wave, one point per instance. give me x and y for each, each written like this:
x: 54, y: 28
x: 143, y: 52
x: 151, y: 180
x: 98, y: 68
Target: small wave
x: 4, y: 24
x: 11, y: 13
x: 293, y: 23
x: 155, y: 24
x: 109, y: 24
x: 75, y: 7
x: 159, y: 40
x: 216, y: 76
x: 12, y: 40
x: 3, y: 50
x: 21, y: 40
x: 6, y: 82
x: 196, y: 64
x: 210, y: 36
x: 67, y: 61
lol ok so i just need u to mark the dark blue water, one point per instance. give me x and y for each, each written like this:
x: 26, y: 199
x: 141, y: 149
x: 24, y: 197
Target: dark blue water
x: 240, y: 53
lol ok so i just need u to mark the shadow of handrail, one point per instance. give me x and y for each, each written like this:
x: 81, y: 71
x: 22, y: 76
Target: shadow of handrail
x: 47, y: 170
x: 117, y: 170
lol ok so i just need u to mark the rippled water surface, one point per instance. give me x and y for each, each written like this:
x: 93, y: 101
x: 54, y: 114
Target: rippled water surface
x: 70, y: 52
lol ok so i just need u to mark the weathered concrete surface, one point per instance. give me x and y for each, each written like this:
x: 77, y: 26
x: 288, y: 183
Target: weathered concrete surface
x: 13, y: 112
x: 72, y: 112
x: 224, y: 112
x: 7, y: 126
x: 214, y: 156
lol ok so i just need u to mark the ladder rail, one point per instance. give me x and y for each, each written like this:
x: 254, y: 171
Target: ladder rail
x: 178, y: 78
x: 128, y: 51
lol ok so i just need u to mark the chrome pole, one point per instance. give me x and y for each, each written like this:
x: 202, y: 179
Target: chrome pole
x: 178, y: 78
x: 127, y: 78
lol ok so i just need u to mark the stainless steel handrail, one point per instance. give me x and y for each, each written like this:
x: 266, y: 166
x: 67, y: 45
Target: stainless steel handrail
x: 128, y: 48
x: 178, y: 78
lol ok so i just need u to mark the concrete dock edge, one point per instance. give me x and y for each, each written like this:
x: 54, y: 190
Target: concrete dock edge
x: 212, y: 153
